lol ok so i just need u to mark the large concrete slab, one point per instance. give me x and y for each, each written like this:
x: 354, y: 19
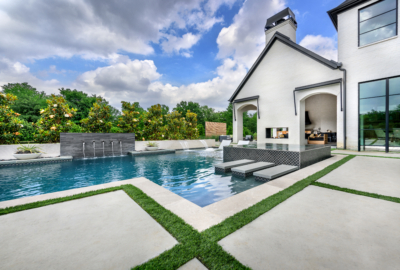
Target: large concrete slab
x: 367, y: 153
x: 274, y: 172
x: 108, y: 231
x: 369, y: 174
x: 321, y: 228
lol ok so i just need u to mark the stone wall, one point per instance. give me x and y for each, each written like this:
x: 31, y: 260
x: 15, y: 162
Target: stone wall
x: 71, y: 144
x: 215, y: 129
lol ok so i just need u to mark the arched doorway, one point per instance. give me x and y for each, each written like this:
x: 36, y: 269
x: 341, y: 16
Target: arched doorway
x: 238, y: 125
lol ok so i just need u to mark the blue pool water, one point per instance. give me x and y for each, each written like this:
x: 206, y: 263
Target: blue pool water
x: 189, y: 174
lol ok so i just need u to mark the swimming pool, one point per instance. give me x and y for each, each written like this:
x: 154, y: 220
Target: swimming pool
x: 189, y: 174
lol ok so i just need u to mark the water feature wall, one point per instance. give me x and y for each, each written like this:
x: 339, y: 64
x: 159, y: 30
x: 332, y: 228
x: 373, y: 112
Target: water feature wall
x: 89, y: 145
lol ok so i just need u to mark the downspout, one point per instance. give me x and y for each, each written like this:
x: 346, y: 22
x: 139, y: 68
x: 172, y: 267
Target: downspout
x: 345, y: 105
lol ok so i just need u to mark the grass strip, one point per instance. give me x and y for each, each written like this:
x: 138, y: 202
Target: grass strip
x: 246, y: 216
x: 357, y: 192
x: 13, y: 209
x: 365, y: 156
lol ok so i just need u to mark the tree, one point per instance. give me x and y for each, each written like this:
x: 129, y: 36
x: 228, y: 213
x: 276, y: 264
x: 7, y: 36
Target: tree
x: 175, y: 127
x: 129, y: 119
x: 99, y: 119
x: 194, y: 107
x: 56, y: 118
x: 29, y: 101
x: 10, y: 124
x: 192, y: 132
x: 79, y: 100
x: 153, y: 124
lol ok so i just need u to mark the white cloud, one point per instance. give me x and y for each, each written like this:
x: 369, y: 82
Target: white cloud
x: 174, y: 44
x: 324, y: 46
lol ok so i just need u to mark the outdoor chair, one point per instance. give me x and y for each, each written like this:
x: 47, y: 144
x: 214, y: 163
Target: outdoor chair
x: 224, y: 143
x: 248, y: 138
x: 243, y: 142
x: 380, y: 134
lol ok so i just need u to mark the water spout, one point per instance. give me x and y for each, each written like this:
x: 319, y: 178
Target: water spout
x: 204, y: 143
x: 112, y: 147
x: 103, y: 149
x: 184, y: 145
x: 94, y: 149
x: 83, y: 148
x: 120, y: 146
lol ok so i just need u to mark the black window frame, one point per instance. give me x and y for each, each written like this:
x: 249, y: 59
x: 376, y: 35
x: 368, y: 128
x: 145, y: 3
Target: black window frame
x: 397, y: 22
x: 387, y: 96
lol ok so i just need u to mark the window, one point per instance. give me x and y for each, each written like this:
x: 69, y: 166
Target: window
x: 377, y: 22
x: 277, y: 133
x: 379, y: 113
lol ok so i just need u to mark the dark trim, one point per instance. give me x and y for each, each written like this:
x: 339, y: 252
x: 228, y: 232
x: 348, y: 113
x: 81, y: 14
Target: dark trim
x: 245, y: 99
x: 344, y: 107
x: 234, y: 112
x: 285, y: 40
x: 271, y: 22
x: 387, y: 117
x: 316, y: 85
x: 348, y: 4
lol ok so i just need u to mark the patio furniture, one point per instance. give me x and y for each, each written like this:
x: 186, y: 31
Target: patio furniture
x: 224, y: 143
x: 380, y: 134
x: 319, y: 139
x: 225, y: 137
x: 243, y: 142
x: 248, y: 138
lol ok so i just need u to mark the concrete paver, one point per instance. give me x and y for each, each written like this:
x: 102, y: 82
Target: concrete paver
x: 194, y: 264
x: 367, y: 153
x: 107, y: 231
x: 320, y: 228
x: 369, y: 174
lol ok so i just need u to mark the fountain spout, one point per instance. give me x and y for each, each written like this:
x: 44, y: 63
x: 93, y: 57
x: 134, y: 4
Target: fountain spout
x: 94, y: 149
x: 112, y: 147
x: 103, y: 148
x: 83, y: 148
x: 120, y: 146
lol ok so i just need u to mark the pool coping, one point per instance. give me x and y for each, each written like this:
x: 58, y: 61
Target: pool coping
x: 15, y: 162
x: 200, y: 218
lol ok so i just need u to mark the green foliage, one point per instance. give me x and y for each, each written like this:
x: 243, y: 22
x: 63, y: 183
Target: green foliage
x: 28, y: 131
x: 29, y: 148
x: 10, y: 124
x: 75, y: 128
x: 56, y: 118
x: 29, y: 101
x: 246, y: 131
x: 175, y: 127
x: 191, y: 130
x: 116, y: 130
x: 79, y: 100
x: 153, y: 128
x: 129, y: 120
x: 152, y: 144
x: 99, y: 119
x: 201, y: 130
x: 250, y: 122
x: 255, y: 136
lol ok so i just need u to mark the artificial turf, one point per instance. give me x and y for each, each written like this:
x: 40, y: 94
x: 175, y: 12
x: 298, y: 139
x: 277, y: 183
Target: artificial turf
x: 193, y: 244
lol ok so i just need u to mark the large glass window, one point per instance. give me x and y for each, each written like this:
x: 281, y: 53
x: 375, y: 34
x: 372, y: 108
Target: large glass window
x: 379, y: 113
x: 377, y: 22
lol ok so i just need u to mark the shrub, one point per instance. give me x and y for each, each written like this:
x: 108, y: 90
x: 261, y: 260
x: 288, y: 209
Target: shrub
x: 99, y: 118
x: 75, y: 128
x: 153, y: 128
x: 129, y: 120
x: 191, y: 130
x: 28, y: 149
x: 175, y: 127
x: 116, y: 130
x: 152, y: 144
x: 202, y: 131
x: 28, y: 131
x: 10, y: 124
x: 56, y: 118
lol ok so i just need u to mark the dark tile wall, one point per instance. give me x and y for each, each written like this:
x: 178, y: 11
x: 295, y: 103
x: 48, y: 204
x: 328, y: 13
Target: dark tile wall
x: 71, y: 144
x: 310, y: 157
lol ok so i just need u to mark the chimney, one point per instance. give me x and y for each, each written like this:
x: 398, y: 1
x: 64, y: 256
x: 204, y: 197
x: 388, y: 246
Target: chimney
x: 283, y: 22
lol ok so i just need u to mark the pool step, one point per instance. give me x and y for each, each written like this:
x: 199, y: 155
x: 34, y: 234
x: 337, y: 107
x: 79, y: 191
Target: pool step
x: 274, y: 172
x: 248, y: 170
x: 227, y: 166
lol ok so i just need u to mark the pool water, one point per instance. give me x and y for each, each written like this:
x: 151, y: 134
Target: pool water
x: 189, y: 174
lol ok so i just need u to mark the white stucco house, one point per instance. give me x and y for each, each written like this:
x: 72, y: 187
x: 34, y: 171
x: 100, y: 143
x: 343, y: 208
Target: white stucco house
x: 356, y: 97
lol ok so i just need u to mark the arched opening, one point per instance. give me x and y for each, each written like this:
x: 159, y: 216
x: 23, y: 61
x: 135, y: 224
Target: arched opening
x: 320, y: 119
x: 246, y: 122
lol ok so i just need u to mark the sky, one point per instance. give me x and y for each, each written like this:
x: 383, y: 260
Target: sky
x: 148, y: 51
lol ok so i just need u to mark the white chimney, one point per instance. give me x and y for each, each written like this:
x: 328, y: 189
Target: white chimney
x: 283, y: 22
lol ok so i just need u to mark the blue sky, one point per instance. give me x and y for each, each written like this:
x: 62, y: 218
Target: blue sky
x: 153, y: 52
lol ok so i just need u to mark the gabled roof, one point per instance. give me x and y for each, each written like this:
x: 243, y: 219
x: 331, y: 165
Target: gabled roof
x: 286, y: 40
x: 333, y: 13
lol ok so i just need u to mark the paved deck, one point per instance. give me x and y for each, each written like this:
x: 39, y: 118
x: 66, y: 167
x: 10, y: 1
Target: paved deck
x: 367, y: 153
x: 369, y: 174
x: 320, y: 228
x: 107, y: 231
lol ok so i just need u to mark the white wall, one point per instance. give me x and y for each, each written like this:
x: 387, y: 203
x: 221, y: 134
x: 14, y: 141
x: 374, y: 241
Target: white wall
x: 374, y: 61
x: 49, y: 149
x: 279, y: 73
x: 322, y: 112
x: 53, y: 149
x: 286, y: 28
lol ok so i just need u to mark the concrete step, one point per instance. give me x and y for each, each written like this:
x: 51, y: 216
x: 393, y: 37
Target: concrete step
x: 274, y: 172
x: 227, y: 166
x: 248, y: 170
